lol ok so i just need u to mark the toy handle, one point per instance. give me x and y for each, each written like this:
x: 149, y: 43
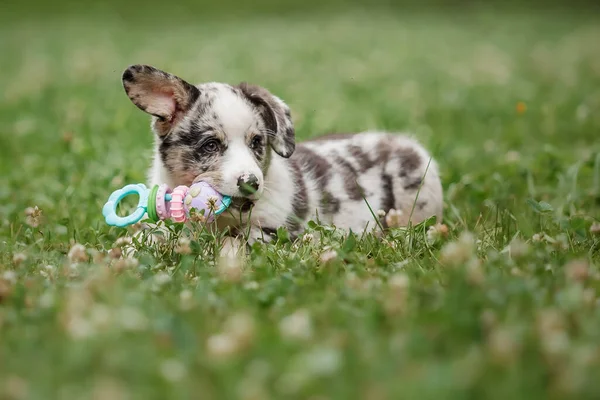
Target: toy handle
x: 225, y: 203
x: 110, y: 207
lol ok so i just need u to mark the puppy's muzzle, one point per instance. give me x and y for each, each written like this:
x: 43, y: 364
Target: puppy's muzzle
x: 248, y: 184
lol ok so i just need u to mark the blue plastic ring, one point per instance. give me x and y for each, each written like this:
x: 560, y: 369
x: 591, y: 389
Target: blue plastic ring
x: 225, y: 202
x: 109, y: 211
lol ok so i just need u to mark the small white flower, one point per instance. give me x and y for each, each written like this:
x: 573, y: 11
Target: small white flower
x: 183, y: 246
x: 393, y: 219
x: 162, y: 278
x: 222, y: 345
x: 46, y: 300
x: 101, y: 316
x: 123, y: 241
x: 307, y: 237
x: 80, y: 328
x: 186, y: 299
x: 132, y: 319
x: 595, y: 228
x: 328, y: 256
x: 126, y: 263
x: 512, y: 156
x: 437, y: 232
x: 242, y: 327
x: 115, y: 253
x: 252, y: 285
x: 78, y: 253
x: 33, y: 216
x: 562, y: 242
x: 518, y: 249
x: 459, y: 252
x: 116, y: 181
x: 582, y: 112
x: 15, y: 387
x: 173, y: 370
x: 399, y: 282
x: 503, y: 345
x: 211, y: 203
x: 297, y: 326
x: 475, y: 274
x: 10, y: 276
x: 577, y: 270
x: 396, y: 298
x: 324, y: 361
x: 230, y: 268
x: 19, y: 258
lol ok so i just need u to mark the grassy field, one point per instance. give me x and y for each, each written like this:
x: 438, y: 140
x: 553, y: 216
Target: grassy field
x: 503, y: 305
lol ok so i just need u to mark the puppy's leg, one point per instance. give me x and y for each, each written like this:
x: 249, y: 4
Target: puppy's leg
x: 265, y: 235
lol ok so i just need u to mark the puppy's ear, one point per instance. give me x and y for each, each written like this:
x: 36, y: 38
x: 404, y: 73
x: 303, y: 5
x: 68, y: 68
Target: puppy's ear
x: 277, y: 117
x: 160, y: 94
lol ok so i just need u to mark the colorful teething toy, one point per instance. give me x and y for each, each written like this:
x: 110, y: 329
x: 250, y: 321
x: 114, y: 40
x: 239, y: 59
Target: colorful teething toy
x: 161, y: 203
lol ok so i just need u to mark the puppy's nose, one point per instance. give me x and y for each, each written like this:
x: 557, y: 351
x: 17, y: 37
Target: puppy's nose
x: 248, y: 184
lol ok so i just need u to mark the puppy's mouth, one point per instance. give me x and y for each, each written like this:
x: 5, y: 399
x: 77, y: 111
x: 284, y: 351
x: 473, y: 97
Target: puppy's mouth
x: 243, y: 204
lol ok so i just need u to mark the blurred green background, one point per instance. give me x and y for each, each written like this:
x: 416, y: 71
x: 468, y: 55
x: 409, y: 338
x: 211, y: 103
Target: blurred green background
x: 451, y: 72
x: 505, y: 94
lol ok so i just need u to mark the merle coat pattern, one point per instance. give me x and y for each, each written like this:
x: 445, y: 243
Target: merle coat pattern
x: 226, y: 135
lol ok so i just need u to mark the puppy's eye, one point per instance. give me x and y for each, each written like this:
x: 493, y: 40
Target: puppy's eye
x: 257, y: 142
x: 211, y: 146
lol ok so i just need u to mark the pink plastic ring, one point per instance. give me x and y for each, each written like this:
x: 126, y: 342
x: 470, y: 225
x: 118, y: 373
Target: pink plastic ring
x: 163, y: 208
x: 177, y: 210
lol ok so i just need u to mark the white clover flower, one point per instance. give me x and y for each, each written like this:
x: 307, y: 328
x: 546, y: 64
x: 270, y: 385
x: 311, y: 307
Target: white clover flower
x: 577, y: 270
x: 33, y: 216
x: 242, y: 327
x: 222, y: 346
x: 503, y: 345
x: 328, y: 256
x: 211, y: 203
x: 173, y: 370
x: 186, y: 299
x: 183, y: 246
x: 230, y: 268
x: 78, y: 253
x: 297, y: 326
x: 10, y: 276
x: 393, y: 219
x: 162, y: 278
x: 436, y: 233
x: 459, y: 252
x: 132, y: 319
x: 252, y: 285
x: 123, y: 241
x: 307, y: 237
x: 80, y: 328
x: 19, y: 258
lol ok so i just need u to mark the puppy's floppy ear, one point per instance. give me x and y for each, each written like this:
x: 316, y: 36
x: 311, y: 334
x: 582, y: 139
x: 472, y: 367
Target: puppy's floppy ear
x: 277, y: 117
x: 160, y: 94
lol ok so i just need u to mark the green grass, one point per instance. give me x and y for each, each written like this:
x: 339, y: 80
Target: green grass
x: 505, y: 307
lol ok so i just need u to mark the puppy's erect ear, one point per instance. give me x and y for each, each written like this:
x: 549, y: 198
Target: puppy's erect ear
x: 277, y: 117
x: 160, y: 94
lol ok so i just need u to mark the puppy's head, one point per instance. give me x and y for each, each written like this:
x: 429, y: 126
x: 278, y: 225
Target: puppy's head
x: 215, y: 132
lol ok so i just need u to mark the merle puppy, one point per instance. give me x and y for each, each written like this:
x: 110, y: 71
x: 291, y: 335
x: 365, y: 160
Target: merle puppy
x: 241, y: 140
